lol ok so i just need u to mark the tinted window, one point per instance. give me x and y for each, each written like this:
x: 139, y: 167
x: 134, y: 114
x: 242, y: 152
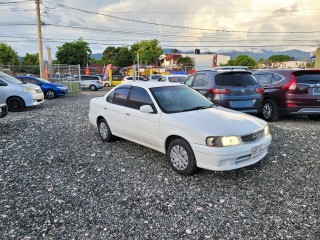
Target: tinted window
x: 84, y: 78
x: 201, y: 80
x: 110, y: 97
x: 189, y: 81
x: 308, y: 77
x: 120, y: 96
x: 29, y: 80
x: 2, y: 83
x: 174, y: 99
x: 139, y: 97
x: 178, y: 79
x: 235, y: 79
x: 276, y: 78
x: 265, y: 78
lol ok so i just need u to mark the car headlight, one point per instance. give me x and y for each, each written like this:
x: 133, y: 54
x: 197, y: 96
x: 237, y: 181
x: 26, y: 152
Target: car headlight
x: 223, y: 141
x: 266, y: 130
x: 28, y: 89
x: 62, y: 88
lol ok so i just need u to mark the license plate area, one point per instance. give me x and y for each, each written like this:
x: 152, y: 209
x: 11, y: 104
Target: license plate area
x: 256, y: 150
x: 241, y: 104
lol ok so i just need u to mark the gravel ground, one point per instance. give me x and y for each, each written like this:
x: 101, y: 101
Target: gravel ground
x: 59, y: 181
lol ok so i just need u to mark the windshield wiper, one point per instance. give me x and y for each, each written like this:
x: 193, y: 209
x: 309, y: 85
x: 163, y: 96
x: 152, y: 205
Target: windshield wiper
x: 198, y: 108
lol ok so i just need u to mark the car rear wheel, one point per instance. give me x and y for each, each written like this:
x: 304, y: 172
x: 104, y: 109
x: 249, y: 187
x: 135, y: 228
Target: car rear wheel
x: 270, y: 111
x: 50, y: 94
x: 93, y: 88
x: 104, y: 131
x: 181, y: 157
x: 15, y: 104
x: 314, y: 117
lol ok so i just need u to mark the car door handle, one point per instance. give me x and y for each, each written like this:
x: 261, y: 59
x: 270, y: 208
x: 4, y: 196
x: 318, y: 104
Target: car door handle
x: 105, y: 108
x: 128, y: 114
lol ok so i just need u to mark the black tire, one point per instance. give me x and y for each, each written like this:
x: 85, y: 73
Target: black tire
x: 15, y: 104
x: 106, y: 85
x: 185, y: 164
x: 104, y: 131
x: 50, y: 94
x: 270, y: 111
x: 315, y: 117
x: 93, y: 88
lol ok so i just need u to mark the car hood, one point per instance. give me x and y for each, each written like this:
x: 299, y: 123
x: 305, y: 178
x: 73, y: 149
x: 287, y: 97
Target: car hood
x: 216, y: 121
x: 31, y: 85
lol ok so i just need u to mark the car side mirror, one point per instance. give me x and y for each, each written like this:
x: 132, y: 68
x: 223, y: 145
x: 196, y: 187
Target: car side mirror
x: 146, y: 109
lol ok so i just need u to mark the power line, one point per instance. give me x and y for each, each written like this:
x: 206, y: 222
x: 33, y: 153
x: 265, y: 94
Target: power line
x: 175, y: 26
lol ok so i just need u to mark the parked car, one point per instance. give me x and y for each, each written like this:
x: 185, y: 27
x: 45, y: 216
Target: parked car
x: 3, y: 106
x: 229, y: 87
x: 178, y: 121
x: 173, y: 78
x: 155, y: 77
x: 51, y: 90
x: 290, y: 91
x: 105, y: 81
x: 18, y: 95
x: 128, y: 79
x: 94, y: 83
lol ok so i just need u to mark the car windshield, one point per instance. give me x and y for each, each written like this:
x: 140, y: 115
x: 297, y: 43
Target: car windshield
x: 174, y: 99
x: 10, y: 79
x: 43, y: 80
x: 235, y: 79
x: 178, y: 79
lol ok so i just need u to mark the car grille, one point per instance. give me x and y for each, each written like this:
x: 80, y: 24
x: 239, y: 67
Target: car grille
x: 252, y: 137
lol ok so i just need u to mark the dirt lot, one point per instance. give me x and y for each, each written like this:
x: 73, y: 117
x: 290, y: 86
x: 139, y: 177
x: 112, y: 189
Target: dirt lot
x: 59, y: 181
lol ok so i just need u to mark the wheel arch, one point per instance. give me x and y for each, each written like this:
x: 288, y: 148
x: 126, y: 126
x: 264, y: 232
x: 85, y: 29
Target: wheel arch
x: 172, y: 137
x: 24, y: 102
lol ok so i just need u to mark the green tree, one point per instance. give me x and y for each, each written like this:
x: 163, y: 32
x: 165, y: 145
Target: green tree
x: 30, y: 59
x: 280, y: 58
x: 108, y: 55
x: 149, y: 51
x: 8, y: 55
x: 76, y: 52
x: 243, y: 60
x: 124, y: 57
x: 186, y: 62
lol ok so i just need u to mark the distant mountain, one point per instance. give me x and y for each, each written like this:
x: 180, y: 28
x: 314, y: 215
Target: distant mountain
x: 265, y: 54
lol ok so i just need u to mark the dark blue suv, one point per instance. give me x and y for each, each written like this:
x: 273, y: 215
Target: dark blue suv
x: 229, y: 87
x: 50, y: 90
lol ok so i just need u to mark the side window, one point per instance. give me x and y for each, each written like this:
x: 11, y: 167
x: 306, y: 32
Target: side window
x: 29, y: 80
x: 189, y: 81
x: 2, y: 83
x: 265, y: 79
x: 139, y: 97
x: 276, y: 78
x: 256, y: 76
x: 120, y: 96
x: 110, y: 97
x: 201, y: 81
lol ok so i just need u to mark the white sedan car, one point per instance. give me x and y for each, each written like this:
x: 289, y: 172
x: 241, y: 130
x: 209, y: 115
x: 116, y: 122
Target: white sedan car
x: 181, y: 123
x: 173, y: 78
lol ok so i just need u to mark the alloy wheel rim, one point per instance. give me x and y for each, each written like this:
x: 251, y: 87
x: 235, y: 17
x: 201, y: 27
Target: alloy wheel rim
x: 50, y: 94
x: 179, y: 157
x: 103, y: 130
x: 267, y: 110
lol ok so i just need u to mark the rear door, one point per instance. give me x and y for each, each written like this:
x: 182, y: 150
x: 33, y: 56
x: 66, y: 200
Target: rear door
x: 307, y: 92
x: 238, y: 90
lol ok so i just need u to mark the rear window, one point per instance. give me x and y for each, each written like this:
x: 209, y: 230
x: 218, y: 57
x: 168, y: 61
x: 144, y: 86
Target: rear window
x: 308, y: 77
x: 179, y: 79
x: 235, y: 79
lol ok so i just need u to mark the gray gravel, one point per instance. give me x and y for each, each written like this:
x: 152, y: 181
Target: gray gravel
x: 59, y: 181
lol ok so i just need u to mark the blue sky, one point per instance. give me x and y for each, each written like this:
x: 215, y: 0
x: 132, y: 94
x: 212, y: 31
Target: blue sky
x: 183, y: 24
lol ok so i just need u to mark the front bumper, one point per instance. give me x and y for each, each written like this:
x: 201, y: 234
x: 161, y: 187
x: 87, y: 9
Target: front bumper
x: 61, y: 92
x: 229, y: 158
x: 37, y: 99
x: 3, y: 110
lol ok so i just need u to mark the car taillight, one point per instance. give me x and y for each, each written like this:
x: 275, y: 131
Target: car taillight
x: 259, y: 90
x: 219, y: 91
x: 292, y: 85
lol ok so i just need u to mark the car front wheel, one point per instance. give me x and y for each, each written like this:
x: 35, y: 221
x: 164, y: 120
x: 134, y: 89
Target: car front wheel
x: 15, y: 104
x: 49, y: 94
x: 270, y: 111
x: 104, y: 131
x: 181, y: 157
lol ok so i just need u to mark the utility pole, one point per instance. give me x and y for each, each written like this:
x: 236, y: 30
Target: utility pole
x: 252, y: 51
x: 41, y: 62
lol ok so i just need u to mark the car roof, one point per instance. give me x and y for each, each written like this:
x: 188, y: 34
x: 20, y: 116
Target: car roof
x: 177, y: 75
x: 151, y: 84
